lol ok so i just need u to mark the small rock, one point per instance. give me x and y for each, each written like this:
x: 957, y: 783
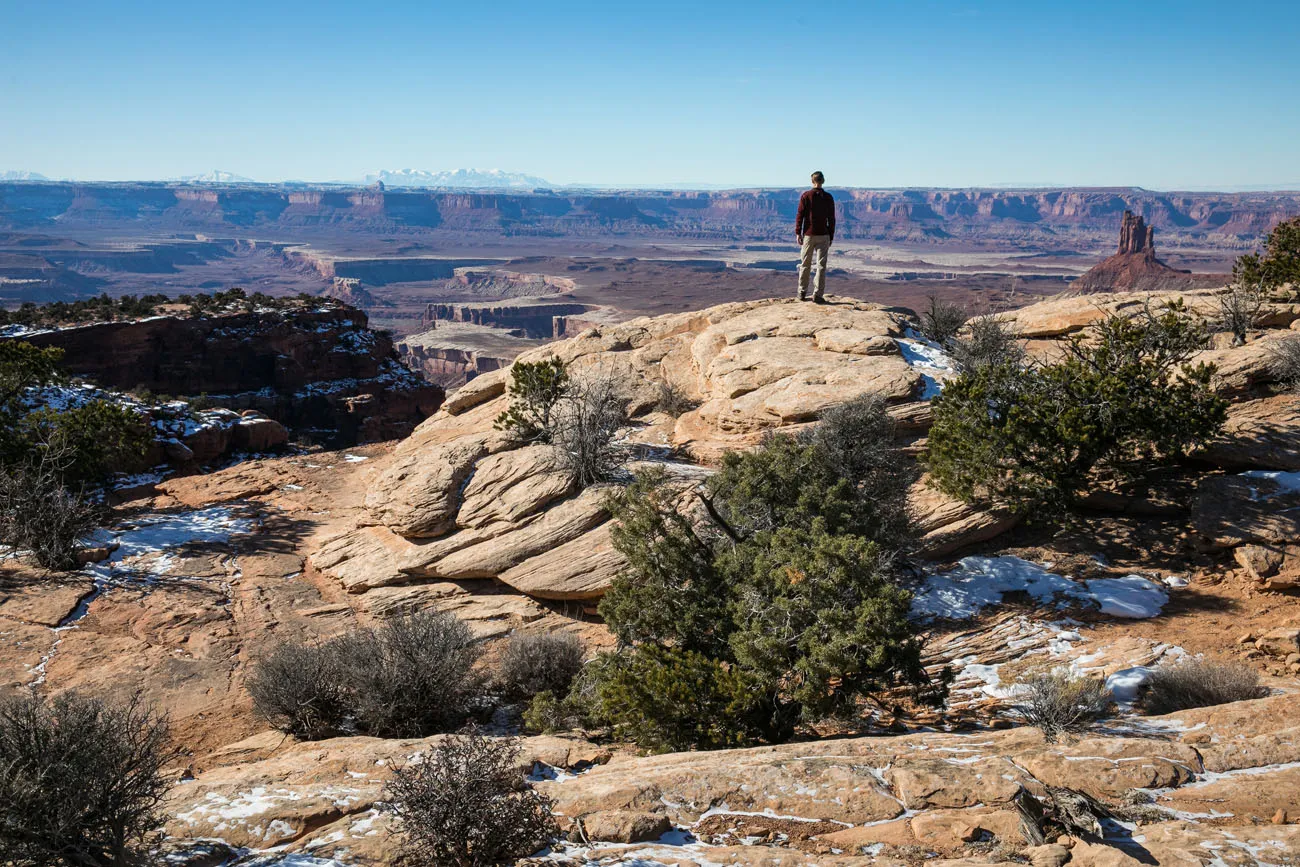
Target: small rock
x: 1280, y: 817
x: 1294, y: 668
x: 624, y: 826
x: 1001, y: 723
x: 1065, y: 840
x: 95, y: 555
x: 1246, y: 638
x: 1200, y: 737
x: 1050, y: 855
x: 1292, y: 658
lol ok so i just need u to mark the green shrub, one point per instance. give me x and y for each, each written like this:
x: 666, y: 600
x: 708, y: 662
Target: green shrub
x: 819, y: 619
x: 1279, y: 264
x: 780, y: 585
x: 671, y: 592
x: 104, y: 438
x: 535, y: 389
x: 1124, y: 398
x: 668, y: 699
x: 22, y: 366
x: 547, y: 714
x: 784, y: 483
x: 858, y: 442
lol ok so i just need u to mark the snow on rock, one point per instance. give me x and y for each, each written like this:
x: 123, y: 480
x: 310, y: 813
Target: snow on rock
x: 1126, y: 684
x: 1131, y: 596
x: 1287, y: 482
x: 162, y: 534
x: 929, y: 358
x: 980, y: 582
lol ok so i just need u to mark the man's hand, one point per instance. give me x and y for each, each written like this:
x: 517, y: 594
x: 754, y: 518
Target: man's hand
x: 798, y: 239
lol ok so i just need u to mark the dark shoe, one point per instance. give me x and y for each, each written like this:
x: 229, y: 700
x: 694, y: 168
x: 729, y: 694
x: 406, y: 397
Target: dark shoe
x: 801, y: 298
x: 820, y: 300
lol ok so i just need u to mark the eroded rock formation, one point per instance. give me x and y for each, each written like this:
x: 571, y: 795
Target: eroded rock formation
x: 316, y: 368
x: 1135, y: 266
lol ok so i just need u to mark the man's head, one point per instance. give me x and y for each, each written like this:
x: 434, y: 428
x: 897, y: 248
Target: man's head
x: 818, y: 179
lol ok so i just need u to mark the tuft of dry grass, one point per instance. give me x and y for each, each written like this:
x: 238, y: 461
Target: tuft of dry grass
x: 1200, y: 683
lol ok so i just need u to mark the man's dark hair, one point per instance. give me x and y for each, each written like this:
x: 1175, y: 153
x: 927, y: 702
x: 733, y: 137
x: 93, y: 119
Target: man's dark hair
x: 818, y: 178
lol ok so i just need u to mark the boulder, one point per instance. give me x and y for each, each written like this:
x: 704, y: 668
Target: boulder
x: 948, y: 525
x: 580, y: 569
x: 623, y: 826
x: 1259, y: 434
x: 419, y: 494
x: 511, y: 485
x: 258, y: 434
x: 1239, y: 509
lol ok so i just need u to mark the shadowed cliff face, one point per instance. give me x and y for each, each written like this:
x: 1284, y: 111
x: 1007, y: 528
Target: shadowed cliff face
x: 738, y: 214
x: 319, y: 371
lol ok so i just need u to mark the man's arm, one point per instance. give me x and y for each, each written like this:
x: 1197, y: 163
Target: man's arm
x: 830, y: 222
x: 799, y: 218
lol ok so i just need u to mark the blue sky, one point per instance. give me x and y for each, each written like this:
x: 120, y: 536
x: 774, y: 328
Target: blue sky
x: 1158, y: 94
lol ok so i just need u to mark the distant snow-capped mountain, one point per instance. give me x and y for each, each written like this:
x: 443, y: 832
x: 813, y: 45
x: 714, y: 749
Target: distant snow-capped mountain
x: 22, y: 176
x: 494, y: 179
x: 216, y: 176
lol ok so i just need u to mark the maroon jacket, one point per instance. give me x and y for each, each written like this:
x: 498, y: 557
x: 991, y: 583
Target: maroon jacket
x: 816, y: 214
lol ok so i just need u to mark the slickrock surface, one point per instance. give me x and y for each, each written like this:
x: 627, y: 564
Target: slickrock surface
x: 1215, y: 778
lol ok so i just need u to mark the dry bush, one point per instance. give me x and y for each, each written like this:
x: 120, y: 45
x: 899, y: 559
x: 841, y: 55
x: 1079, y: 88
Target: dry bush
x: 81, y: 781
x: 941, y: 321
x: 467, y: 805
x: 584, y: 424
x: 1199, y: 683
x: 39, y: 514
x: 672, y: 399
x: 1284, y: 362
x: 411, y: 677
x: 987, y: 342
x: 1239, y: 310
x: 535, y: 662
x: 298, y: 689
x: 1059, y: 703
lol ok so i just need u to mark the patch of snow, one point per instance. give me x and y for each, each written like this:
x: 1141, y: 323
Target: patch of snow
x: 929, y: 358
x: 1126, y: 684
x: 355, y: 459
x: 979, y: 582
x: 1287, y: 482
x: 1132, y: 596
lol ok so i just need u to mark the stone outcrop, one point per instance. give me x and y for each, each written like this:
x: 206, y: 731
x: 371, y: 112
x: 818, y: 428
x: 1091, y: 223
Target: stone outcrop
x: 1135, y: 266
x: 822, y: 801
x: 315, y: 367
x: 459, y: 501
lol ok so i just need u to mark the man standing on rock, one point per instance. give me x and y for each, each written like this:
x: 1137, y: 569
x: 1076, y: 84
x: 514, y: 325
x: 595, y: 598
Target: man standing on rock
x: 814, y: 228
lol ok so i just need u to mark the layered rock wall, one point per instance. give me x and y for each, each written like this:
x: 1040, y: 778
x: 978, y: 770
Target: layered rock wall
x: 318, y: 368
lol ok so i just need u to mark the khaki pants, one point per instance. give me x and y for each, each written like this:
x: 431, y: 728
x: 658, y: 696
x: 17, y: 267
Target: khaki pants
x: 820, y: 247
